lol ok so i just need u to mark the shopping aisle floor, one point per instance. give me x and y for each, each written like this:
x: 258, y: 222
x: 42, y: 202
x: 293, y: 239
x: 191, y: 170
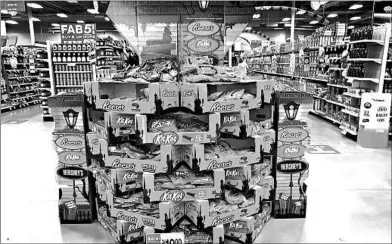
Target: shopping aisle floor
x: 349, y: 194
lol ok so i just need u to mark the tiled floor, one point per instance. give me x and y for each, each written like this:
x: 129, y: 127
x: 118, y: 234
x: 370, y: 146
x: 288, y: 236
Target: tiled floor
x: 349, y: 193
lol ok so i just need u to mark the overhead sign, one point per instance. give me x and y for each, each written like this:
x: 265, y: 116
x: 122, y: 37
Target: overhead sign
x: 292, y: 167
x: 72, y: 157
x: 203, y: 28
x: 77, y: 32
x: 72, y: 173
x: 291, y: 151
x: 13, y: 6
x: 203, y: 44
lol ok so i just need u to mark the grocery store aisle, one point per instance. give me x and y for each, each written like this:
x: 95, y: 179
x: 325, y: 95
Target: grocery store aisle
x: 349, y: 193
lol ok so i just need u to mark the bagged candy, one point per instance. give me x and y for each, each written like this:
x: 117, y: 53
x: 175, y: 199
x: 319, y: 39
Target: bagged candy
x: 248, y: 202
x: 203, y: 180
x: 132, y: 151
x: 248, y: 96
x: 234, y: 197
x: 162, y: 124
x: 235, y: 95
x: 214, y: 96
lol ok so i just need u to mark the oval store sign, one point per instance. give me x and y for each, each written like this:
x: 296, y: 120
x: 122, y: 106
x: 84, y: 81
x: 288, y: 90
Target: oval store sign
x: 292, y: 167
x: 72, y: 173
x: 203, y: 28
x: 291, y: 151
x: 294, y: 134
x: 203, y: 44
x: 70, y: 142
x: 72, y: 158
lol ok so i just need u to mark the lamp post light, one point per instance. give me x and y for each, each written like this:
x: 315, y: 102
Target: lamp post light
x: 71, y: 116
x: 203, y: 5
x: 291, y: 110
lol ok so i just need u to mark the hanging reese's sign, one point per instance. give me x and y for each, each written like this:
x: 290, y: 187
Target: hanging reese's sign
x: 77, y: 32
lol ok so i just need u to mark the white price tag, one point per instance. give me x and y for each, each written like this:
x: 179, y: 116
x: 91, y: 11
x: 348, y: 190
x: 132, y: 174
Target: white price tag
x: 344, y: 132
x: 166, y: 238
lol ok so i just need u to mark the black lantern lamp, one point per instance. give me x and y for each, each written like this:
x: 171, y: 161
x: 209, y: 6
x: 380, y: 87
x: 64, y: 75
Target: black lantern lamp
x: 71, y: 116
x: 203, y: 5
x: 291, y: 110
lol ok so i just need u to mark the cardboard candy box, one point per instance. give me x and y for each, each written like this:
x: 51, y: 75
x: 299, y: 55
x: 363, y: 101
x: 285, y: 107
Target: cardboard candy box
x: 168, y: 137
x: 262, y: 147
x: 247, y: 229
x: 195, y: 96
x: 176, y: 195
x: 199, y: 211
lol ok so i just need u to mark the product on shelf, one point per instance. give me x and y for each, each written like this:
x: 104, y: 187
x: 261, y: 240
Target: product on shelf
x: 362, y: 33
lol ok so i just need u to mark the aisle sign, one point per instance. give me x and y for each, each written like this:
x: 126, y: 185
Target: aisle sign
x: 13, y: 6
x: 77, y: 32
x: 375, y: 110
x: 175, y: 238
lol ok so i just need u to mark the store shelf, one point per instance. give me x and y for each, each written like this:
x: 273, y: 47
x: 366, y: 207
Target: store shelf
x: 8, y: 108
x: 72, y: 63
x: 336, y: 103
x: 336, y: 85
x: 15, y: 70
x: 101, y: 57
x: 20, y: 98
x: 72, y: 72
x: 42, y: 69
x: 375, y: 80
x: 286, y: 75
x: 323, y: 115
x: 18, y: 64
x: 69, y: 86
x: 352, y: 95
x: 352, y: 132
x: 388, y: 79
x: 24, y: 84
x: 22, y: 91
x: 104, y: 66
x: 376, y: 60
x: 334, y: 69
x: 379, y: 42
x: 22, y: 77
x: 350, y: 113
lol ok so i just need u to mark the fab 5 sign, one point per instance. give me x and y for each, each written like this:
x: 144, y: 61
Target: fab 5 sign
x: 77, y: 32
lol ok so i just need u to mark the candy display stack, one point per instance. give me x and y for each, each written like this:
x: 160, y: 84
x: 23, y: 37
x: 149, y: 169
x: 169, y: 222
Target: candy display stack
x: 191, y: 157
x: 70, y: 145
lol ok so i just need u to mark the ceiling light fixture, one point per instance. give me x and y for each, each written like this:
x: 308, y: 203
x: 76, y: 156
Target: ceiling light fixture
x: 80, y: 21
x: 302, y: 11
x: 4, y: 11
x: 286, y: 19
x: 351, y: 27
x: 316, y: 4
x: 34, y: 5
x: 332, y: 15
x: 313, y: 22
x: 256, y: 16
x: 355, y: 6
x: 355, y: 18
x: 35, y: 19
x: 248, y: 28
x: 62, y: 15
x: 11, y: 22
x: 55, y: 24
x: 92, y: 11
x: 107, y: 18
x: 203, y: 5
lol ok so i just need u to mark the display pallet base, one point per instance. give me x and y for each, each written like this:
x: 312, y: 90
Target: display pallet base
x: 47, y: 119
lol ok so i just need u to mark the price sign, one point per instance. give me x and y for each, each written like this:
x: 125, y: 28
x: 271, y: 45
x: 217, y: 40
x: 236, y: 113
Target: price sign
x: 166, y: 238
x: 77, y: 33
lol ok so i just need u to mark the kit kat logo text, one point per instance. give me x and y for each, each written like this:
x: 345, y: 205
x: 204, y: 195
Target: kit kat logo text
x: 166, y: 138
x: 70, y: 142
x: 291, y: 151
x: 292, y: 167
x: 124, y: 121
x: 168, y: 93
x: 293, y: 134
x: 217, y: 107
x: 173, y: 196
x: 134, y: 227
x: 203, y: 44
x: 130, y: 176
x: 222, y: 220
x: 113, y: 107
x: 72, y: 158
x: 236, y: 226
x: 72, y: 173
x: 229, y: 119
x: 203, y: 28
x: 233, y: 173
x: 130, y: 219
x: 219, y: 165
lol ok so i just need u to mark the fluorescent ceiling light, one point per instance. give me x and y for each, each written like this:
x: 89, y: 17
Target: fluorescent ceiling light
x: 248, y: 28
x: 92, y: 11
x: 80, y: 21
x: 332, y: 15
x: 256, y: 16
x: 356, y: 6
x: 301, y: 12
x: 107, y: 18
x: 355, y: 18
x: 72, y: 1
x: 12, y: 22
x: 35, y: 19
x: 278, y: 28
x: 263, y: 8
x: 313, y: 22
x: 286, y: 19
x: 161, y: 24
x: 62, y: 15
x: 350, y: 27
x: 55, y: 24
x: 34, y: 5
x: 4, y: 11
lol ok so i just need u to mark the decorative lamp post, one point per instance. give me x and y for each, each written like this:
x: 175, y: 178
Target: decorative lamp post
x: 71, y: 116
x: 203, y: 5
x: 291, y: 110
